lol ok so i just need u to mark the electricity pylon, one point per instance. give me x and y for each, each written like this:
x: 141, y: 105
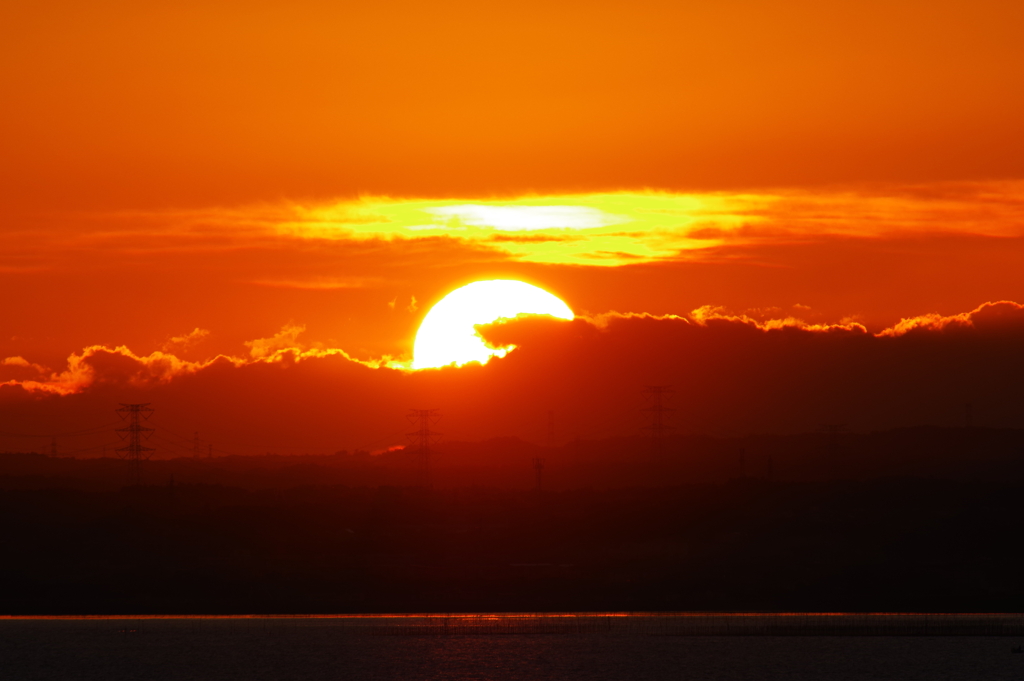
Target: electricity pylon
x: 657, y: 410
x: 424, y: 437
x: 135, y: 452
x: 833, y: 435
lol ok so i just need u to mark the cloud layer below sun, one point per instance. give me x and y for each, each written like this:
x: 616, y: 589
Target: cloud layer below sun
x: 102, y: 365
x: 729, y: 375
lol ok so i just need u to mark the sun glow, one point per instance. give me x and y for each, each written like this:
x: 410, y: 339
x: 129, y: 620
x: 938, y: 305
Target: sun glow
x: 448, y: 334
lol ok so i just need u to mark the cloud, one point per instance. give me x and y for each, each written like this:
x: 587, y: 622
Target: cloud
x: 21, y: 362
x: 190, y: 339
x: 928, y: 322
x: 585, y: 228
x: 526, y: 218
x: 316, y: 284
x: 731, y: 371
x: 1000, y: 316
x: 98, y: 364
x: 285, y: 339
x: 728, y: 372
x: 535, y: 238
x: 710, y: 314
x: 370, y: 243
x: 18, y: 368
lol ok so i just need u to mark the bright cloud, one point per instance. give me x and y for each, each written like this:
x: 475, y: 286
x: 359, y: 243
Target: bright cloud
x: 286, y: 338
x: 599, y: 229
x: 526, y: 218
x: 619, y: 228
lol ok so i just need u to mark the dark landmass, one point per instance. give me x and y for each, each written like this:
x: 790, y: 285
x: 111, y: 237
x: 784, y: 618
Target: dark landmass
x: 983, y: 454
x: 923, y: 520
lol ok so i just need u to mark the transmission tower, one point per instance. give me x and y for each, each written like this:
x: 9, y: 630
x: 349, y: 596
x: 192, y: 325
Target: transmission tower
x: 135, y: 432
x: 423, y: 437
x: 833, y: 436
x: 656, y: 395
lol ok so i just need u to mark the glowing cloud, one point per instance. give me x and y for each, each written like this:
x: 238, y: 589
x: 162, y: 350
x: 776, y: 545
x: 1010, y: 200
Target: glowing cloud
x: 185, y: 341
x: 527, y: 218
x: 594, y: 229
x: 285, y: 339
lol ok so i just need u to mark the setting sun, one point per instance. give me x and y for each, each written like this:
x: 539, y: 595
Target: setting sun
x: 448, y: 334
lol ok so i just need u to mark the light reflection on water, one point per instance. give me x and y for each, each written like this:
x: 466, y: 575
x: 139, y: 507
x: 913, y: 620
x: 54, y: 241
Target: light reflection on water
x: 266, y: 648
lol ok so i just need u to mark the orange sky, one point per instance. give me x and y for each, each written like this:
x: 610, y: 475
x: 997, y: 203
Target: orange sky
x: 190, y: 178
x: 120, y: 105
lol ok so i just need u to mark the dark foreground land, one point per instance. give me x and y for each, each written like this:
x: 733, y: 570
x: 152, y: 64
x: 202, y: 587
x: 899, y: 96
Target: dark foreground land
x: 893, y: 544
x: 913, y: 520
x: 619, y: 650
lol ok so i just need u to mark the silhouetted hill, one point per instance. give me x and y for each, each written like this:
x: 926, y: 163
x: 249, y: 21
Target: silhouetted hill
x: 507, y: 463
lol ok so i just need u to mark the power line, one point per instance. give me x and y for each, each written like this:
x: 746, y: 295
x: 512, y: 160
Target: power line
x: 172, y: 445
x: 184, y: 443
x: 66, y: 453
x: 91, y: 449
x: 72, y: 433
x: 258, y: 445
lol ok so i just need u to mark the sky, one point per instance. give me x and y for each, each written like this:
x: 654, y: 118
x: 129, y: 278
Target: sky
x: 261, y: 201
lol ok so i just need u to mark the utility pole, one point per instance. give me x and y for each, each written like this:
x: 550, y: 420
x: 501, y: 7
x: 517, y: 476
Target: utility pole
x: 656, y: 395
x: 135, y: 452
x: 833, y: 431
x: 423, y: 437
x: 538, y: 468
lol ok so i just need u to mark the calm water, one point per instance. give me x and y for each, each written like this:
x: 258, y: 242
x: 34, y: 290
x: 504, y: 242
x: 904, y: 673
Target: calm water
x: 258, y: 649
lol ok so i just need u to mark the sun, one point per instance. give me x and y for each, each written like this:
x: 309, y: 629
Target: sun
x: 447, y: 334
